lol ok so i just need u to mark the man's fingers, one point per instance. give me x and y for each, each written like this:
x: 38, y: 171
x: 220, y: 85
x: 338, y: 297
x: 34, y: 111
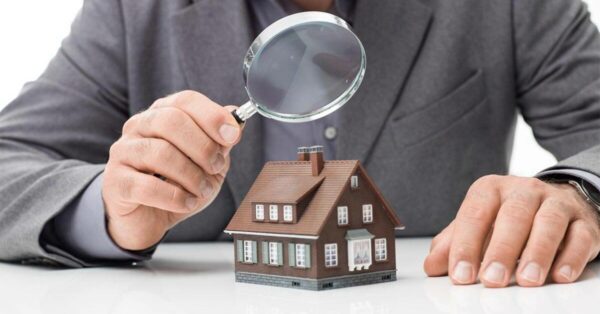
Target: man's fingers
x: 178, y: 128
x: 549, y: 227
x: 472, y: 225
x: 510, y: 234
x: 138, y: 188
x: 577, y: 251
x: 214, y: 119
x: 436, y: 262
x: 154, y: 155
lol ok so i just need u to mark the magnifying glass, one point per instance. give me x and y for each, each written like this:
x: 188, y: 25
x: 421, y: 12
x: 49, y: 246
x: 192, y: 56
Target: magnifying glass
x: 301, y: 68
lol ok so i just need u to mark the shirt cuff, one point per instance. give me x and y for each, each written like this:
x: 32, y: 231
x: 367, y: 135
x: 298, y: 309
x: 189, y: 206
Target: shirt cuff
x: 81, y: 229
x: 584, y: 175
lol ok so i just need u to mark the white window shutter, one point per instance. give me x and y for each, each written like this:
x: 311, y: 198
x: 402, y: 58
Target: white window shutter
x: 265, y: 252
x: 292, y: 254
x: 254, y: 257
x: 240, y: 250
x: 279, y: 253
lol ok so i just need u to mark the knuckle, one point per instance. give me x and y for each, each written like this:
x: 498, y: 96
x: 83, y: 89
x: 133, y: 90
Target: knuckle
x: 125, y: 187
x: 130, y: 124
x: 171, y: 119
x: 142, y: 147
x: 473, y: 214
x: 487, y: 181
x: 584, y: 236
x: 185, y: 97
x: 516, y: 211
x: 542, y: 246
x: 464, y: 249
x: 532, y: 184
x: 114, y: 149
x: 164, y: 153
x: 502, y: 249
x: 553, y: 217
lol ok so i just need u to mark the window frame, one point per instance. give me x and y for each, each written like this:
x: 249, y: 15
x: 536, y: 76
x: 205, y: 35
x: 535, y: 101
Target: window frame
x: 381, y: 250
x: 271, y: 207
x: 331, y: 255
x: 273, y: 254
x: 248, y: 256
x: 367, y: 213
x: 354, y: 182
x: 300, y: 262
x: 286, y: 212
x: 262, y: 211
x: 345, y: 214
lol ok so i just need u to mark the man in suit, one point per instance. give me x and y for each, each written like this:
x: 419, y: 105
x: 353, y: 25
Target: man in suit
x: 433, y: 122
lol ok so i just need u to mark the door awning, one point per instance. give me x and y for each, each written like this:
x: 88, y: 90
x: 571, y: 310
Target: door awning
x: 357, y: 234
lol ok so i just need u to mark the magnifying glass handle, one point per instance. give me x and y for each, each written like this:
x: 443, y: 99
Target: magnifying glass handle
x: 244, y: 112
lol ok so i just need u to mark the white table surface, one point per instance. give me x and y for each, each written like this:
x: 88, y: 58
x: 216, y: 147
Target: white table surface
x: 198, y: 278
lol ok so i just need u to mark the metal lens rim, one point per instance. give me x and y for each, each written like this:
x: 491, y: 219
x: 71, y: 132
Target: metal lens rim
x: 275, y: 29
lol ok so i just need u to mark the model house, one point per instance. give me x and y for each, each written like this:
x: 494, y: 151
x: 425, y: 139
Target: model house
x: 314, y: 224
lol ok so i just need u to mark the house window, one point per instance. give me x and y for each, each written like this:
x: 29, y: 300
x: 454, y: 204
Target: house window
x: 380, y: 250
x: 367, y: 213
x: 260, y: 211
x: 354, y: 182
x: 273, y: 212
x: 287, y: 213
x: 342, y: 212
x: 300, y: 255
x: 248, y: 250
x: 331, y: 255
x: 273, y: 253
x: 359, y: 254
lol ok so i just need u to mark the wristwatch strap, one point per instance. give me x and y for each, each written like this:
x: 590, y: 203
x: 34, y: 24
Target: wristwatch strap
x: 585, y: 193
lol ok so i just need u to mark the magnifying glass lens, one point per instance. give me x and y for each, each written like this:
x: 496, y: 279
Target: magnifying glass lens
x: 304, y: 68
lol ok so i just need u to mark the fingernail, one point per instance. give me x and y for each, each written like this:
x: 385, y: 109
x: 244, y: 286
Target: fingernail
x: 532, y: 272
x: 206, y: 188
x: 229, y: 133
x: 218, y: 162
x: 463, y: 272
x: 191, y: 203
x: 566, y: 271
x: 495, y: 273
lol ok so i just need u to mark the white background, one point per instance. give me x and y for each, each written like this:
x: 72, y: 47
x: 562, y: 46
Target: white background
x: 31, y: 31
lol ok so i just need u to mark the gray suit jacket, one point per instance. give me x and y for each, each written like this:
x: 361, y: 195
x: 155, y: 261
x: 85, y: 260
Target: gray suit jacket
x: 436, y: 111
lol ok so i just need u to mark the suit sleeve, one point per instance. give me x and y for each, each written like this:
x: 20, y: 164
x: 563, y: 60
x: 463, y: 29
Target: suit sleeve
x: 557, y: 53
x: 55, y: 136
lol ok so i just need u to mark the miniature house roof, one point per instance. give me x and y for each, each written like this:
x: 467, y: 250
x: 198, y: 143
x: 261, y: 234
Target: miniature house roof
x: 287, y: 189
x: 328, y: 186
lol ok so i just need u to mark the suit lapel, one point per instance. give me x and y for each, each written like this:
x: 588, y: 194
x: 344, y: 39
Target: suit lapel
x: 212, y: 37
x: 392, y: 32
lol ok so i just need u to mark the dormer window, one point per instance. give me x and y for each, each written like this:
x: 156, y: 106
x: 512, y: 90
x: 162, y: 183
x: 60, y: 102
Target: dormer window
x: 259, y: 212
x: 354, y: 182
x: 288, y: 213
x: 273, y: 212
x: 367, y: 211
x: 342, y: 214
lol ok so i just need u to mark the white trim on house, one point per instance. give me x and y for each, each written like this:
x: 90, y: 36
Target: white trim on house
x: 279, y: 235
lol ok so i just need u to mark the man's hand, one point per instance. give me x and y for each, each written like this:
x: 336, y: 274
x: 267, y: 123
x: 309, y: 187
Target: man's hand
x: 169, y: 164
x: 510, y: 225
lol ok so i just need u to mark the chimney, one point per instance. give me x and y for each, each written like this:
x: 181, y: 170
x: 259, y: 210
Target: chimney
x: 316, y: 159
x: 303, y: 153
